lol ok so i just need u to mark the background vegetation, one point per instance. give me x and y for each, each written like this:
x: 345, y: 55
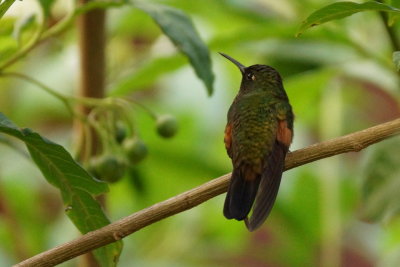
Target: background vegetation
x: 341, y: 211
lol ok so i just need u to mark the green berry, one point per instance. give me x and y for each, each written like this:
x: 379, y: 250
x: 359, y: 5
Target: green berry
x: 120, y: 133
x: 135, y: 149
x: 167, y: 126
x: 108, y: 168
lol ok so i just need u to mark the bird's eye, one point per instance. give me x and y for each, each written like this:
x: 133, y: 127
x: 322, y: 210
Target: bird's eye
x: 250, y: 76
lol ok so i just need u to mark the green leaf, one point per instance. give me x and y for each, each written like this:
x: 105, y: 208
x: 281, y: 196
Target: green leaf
x: 396, y: 59
x: 181, y: 31
x: 4, y: 6
x: 146, y: 75
x: 76, y: 185
x: 381, y: 184
x: 341, y: 10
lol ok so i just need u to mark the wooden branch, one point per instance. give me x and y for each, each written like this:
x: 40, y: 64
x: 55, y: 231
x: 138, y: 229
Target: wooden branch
x: 134, y: 222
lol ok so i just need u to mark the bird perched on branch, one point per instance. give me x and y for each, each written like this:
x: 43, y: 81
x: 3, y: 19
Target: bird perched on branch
x: 257, y: 137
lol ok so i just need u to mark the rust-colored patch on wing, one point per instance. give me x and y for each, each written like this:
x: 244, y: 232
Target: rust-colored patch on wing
x: 228, y: 138
x: 284, y: 134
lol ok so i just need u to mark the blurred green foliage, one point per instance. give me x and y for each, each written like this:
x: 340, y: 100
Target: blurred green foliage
x: 339, y: 77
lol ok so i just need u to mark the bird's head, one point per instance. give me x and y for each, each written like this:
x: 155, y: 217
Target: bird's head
x: 260, y: 77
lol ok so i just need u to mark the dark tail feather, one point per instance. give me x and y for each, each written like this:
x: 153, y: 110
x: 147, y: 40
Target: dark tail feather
x: 269, y: 186
x: 240, y: 196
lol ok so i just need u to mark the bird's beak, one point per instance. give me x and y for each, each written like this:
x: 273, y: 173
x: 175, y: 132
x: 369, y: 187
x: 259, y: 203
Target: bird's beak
x: 234, y: 61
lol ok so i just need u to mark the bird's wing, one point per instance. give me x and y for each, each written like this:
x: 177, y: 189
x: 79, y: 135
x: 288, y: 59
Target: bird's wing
x: 284, y: 134
x: 271, y: 177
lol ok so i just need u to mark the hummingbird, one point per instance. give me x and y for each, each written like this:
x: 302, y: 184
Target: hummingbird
x: 257, y: 137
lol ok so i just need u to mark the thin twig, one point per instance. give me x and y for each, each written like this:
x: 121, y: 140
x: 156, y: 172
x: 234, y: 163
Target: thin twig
x: 115, y: 231
x: 64, y: 99
x: 391, y: 32
x: 44, y: 34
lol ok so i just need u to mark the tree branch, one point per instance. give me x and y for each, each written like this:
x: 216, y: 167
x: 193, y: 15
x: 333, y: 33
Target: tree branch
x: 115, y: 231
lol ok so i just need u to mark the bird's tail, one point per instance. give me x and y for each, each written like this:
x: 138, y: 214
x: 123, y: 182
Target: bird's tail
x: 241, y: 195
x: 269, y: 186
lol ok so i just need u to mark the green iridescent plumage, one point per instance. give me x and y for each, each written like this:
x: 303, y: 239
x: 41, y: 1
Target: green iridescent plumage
x: 257, y: 137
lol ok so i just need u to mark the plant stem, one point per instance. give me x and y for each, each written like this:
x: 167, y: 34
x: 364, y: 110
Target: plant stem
x: 390, y: 30
x: 92, y: 65
x: 21, y: 53
x: 91, y: 27
x: 68, y: 101
x: 42, y: 34
x: 149, y: 111
x: 64, y: 99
